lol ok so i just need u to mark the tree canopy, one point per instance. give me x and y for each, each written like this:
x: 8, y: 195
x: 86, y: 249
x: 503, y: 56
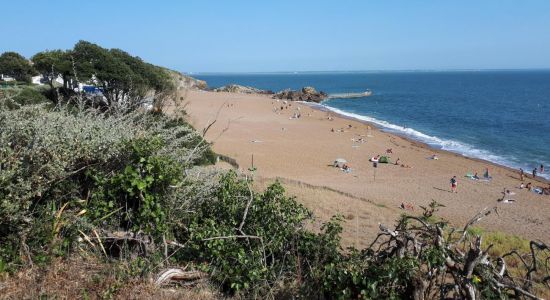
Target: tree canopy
x: 122, y: 78
x: 15, y: 65
x: 52, y: 64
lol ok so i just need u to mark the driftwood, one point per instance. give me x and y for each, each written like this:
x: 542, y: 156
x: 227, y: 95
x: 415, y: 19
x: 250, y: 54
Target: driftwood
x: 459, y: 276
x: 179, y: 275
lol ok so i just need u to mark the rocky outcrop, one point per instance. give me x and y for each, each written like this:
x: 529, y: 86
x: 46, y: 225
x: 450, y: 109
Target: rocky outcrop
x: 307, y: 94
x: 184, y: 82
x: 241, y: 89
x: 191, y: 83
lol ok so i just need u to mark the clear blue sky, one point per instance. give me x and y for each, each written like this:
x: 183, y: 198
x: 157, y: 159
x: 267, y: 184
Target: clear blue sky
x: 284, y: 35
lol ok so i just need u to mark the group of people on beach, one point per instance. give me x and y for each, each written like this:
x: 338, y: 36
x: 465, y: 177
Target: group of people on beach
x: 534, y: 172
x: 529, y: 186
x: 454, y: 181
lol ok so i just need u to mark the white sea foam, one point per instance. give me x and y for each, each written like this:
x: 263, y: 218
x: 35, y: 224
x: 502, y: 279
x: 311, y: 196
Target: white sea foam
x: 435, y: 142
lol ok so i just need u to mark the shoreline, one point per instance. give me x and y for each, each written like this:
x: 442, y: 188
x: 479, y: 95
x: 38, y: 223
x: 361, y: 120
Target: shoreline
x: 323, y: 108
x: 303, y: 150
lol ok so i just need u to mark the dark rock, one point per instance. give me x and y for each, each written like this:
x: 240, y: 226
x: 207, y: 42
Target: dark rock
x: 307, y: 94
x: 240, y: 89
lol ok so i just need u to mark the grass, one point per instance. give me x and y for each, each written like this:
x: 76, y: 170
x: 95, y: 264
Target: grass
x: 504, y: 243
x: 88, y: 277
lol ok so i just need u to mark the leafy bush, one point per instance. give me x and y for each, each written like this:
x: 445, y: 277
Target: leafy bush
x: 140, y: 188
x: 245, y: 237
x: 17, y: 97
x: 62, y: 171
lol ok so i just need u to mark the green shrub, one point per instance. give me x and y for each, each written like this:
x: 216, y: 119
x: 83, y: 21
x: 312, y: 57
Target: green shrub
x: 17, y: 97
x: 139, y: 188
x: 62, y: 169
x: 273, y: 220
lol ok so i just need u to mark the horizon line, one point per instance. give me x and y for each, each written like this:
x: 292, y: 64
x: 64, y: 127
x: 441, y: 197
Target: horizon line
x: 363, y: 71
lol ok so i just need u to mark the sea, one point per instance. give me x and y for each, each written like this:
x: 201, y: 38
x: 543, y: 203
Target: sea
x: 500, y: 116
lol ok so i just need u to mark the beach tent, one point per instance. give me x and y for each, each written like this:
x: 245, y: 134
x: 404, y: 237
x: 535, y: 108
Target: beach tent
x: 384, y: 160
x: 340, y: 162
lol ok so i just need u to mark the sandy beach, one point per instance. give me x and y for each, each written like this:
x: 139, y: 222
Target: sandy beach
x: 300, y: 152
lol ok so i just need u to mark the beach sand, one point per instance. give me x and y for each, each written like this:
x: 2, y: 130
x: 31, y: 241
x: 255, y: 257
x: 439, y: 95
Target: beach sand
x: 301, y: 151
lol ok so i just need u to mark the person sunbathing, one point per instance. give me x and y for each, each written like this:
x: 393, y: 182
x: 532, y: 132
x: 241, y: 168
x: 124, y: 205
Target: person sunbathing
x: 507, y: 192
x: 406, y: 206
x: 346, y: 168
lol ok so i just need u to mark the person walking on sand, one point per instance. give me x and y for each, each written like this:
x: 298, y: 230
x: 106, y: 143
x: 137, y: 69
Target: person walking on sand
x: 454, y: 184
x: 521, y: 174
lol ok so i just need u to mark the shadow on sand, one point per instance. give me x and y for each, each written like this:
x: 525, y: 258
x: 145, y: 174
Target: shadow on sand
x: 443, y: 190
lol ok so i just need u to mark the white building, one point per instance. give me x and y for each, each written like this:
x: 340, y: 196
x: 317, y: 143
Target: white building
x: 6, y: 78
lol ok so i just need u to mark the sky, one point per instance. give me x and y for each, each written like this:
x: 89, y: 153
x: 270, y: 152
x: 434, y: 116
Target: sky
x: 298, y: 35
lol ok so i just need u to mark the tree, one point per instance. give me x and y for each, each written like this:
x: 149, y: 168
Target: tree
x: 52, y: 64
x: 15, y: 65
x: 122, y: 77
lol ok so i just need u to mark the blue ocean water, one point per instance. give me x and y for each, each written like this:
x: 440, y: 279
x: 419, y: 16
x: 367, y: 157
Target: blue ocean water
x: 499, y: 116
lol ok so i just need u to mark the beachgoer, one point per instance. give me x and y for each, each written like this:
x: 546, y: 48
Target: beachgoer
x: 397, y: 161
x: 528, y: 186
x: 407, y: 206
x: 434, y: 157
x: 521, y: 186
x: 346, y: 168
x: 541, y: 168
x: 521, y: 174
x: 389, y: 151
x: 454, y: 184
x: 486, y: 175
x: 507, y: 192
x: 534, y: 172
x: 332, y: 130
x: 475, y: 176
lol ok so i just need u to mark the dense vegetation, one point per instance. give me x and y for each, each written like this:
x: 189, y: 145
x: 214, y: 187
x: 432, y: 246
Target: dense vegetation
x: 124, y: 80
x: 127, y: 187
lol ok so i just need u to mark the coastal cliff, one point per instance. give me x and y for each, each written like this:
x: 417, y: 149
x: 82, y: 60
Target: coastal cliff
x: 187, y: 82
